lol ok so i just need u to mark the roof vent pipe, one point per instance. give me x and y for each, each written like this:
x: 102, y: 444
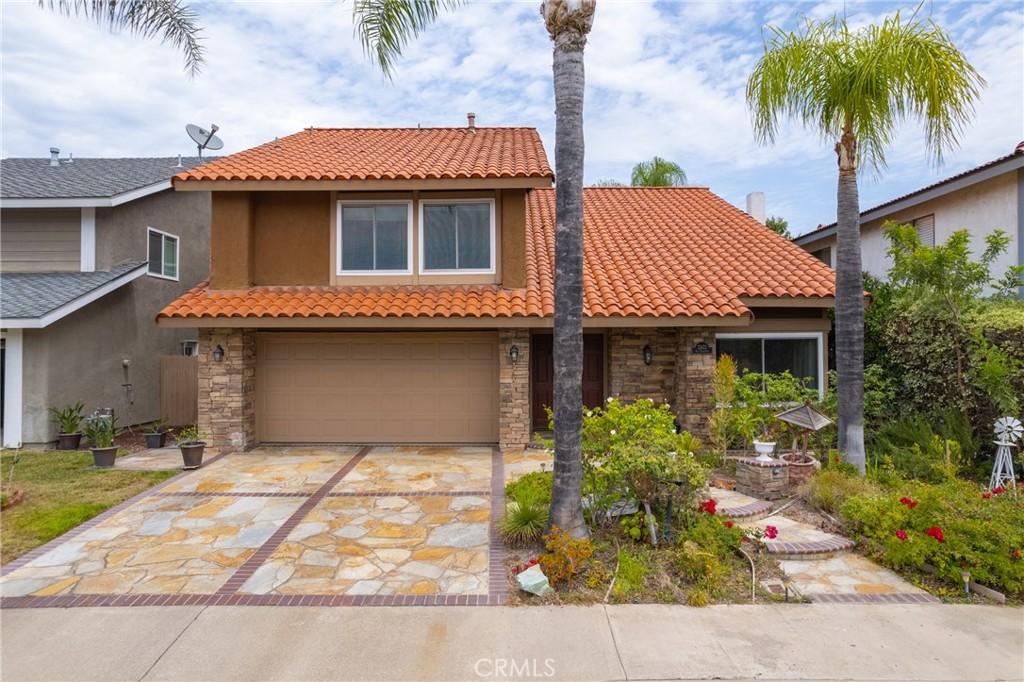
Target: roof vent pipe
x: 472, y: 120
x: 755, y: 206
x: 54, y: 153
x: 71, y: 158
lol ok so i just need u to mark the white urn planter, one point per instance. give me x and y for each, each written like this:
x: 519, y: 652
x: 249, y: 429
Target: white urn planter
x: 764, y: 450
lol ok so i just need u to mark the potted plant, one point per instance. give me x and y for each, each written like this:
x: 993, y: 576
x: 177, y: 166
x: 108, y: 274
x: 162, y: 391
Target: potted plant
x: 190, y: 441
x: 101, y: 431
x: 68, y: 422
x: 764, y: 445
x: 156, y: 434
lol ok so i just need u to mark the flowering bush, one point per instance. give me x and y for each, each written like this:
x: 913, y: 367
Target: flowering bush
x: 949, y: 525
x: 637, y: 446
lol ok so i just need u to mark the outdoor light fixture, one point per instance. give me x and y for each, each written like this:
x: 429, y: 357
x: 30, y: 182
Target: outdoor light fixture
x: 966, y: 575
x: 648, y: 354
x: 218, y: 354
x: 786, y: 580
x: 513, y: 354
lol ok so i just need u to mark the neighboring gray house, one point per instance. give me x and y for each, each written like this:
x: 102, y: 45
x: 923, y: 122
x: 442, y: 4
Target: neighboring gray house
x: 980, y: 200
x: 90, y: 251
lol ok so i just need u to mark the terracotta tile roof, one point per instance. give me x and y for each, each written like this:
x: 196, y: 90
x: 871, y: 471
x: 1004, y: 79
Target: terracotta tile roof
x: 663, y: 252
x: 385, y: 154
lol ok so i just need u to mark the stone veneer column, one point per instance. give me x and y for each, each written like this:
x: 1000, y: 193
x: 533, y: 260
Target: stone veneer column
x: 227, y: 389
x: 514, y: 389
x: 694, y: 373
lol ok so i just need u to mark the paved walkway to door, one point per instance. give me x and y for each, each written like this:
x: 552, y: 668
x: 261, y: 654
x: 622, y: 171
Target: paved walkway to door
x: 291, y: 525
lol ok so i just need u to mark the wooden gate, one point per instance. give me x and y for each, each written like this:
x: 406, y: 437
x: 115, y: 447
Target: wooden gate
x: 179, y: 389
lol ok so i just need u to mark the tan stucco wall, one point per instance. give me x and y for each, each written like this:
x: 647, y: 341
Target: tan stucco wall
x: 231, y: 240
x: 292, y: 238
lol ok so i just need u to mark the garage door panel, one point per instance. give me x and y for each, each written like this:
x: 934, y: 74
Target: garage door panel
x: 378, y: 388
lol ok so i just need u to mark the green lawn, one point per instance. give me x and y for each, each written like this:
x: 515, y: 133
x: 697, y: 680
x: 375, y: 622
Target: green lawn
x: 61, y: 492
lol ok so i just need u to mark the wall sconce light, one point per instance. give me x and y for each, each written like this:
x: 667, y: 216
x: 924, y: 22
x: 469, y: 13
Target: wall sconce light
x: 218, y: 354
x: 648, y: 354
x: 513, y: 354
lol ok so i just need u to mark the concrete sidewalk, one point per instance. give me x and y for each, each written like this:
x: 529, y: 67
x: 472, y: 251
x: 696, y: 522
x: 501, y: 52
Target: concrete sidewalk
x: 777, y: 642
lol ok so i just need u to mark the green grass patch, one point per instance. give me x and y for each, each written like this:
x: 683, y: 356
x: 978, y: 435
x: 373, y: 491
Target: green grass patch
x: 61, y: 492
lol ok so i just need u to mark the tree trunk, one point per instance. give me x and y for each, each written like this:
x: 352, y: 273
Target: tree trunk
x: 849, y: 306
x: 568, y: 23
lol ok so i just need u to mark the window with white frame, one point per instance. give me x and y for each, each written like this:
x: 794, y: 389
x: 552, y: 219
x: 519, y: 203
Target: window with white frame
x: 799, y: 354
x: 374, y: 238
x: 163, y: 254
x: 457, y: 237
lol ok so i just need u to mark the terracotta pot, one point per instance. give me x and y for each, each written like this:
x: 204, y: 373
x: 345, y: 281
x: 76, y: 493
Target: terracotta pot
x: 192, y: 455
x: 69, y: 441
x: 103, y: 458
x: 156, y: 440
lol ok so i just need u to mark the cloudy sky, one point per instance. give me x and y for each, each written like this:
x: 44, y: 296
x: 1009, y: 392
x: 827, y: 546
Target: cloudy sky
x: 663, y: 78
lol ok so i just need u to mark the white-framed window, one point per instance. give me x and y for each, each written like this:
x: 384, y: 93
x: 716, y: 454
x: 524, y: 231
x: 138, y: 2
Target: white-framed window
x: 801, y: 353
x: 163, y: 254
x: 374, y: 238
x: 457, y: 237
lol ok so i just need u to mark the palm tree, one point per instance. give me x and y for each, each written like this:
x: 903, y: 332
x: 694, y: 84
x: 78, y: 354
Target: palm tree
x: 855, y: 87
x: 170, y: 20
x: 384, y: 28
x: 658, y: 172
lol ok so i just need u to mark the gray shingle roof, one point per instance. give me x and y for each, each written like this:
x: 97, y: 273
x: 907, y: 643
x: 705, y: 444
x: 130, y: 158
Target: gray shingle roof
x: 30, y: 295
x: 85, y: 178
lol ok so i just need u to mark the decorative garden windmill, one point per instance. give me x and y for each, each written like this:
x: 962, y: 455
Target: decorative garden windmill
x: 807, y: 418
x: 1008, y: 432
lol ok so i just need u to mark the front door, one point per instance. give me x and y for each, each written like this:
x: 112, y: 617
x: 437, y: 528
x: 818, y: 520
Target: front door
x: 544, y: 374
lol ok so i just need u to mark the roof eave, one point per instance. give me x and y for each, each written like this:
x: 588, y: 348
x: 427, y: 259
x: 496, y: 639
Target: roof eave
x: 78, y: 303
x: 86, y: 202
x: 194, y: 185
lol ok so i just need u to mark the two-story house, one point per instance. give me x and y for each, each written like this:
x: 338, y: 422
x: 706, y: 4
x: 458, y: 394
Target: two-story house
x: 90, y: 251
x: 396, y: 286
x: 981, y: 200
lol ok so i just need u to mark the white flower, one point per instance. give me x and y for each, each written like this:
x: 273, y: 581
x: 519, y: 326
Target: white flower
x: 667, y: 405
x: 613, y: 432
x: 590, y: 413
x: 609, y: 399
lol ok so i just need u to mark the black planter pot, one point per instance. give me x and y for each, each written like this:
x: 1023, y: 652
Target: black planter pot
x: 192, y: 455
x: 104, y: 458
x: 156, y: 440
x: 68, y: 441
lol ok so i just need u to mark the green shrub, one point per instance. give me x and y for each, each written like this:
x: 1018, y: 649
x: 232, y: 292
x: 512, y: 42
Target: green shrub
x: 830, y: 488
x: 951, y: 525
x: 925, y: 448
x: 712, y: 533
x: 566, y: 555
x: 526, y: 516
x: 69, y: 418
x: 539, y: 482
x: 630, y: 578
x: 634, y: 450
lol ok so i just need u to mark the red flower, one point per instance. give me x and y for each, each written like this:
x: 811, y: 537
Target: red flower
x: 936, y: 533
x: 771, y: 532
x: 908, y: 502
x: 708, y: 506
x: 998, y: 491
x: 986, y: 496
x: 744, y: 539
x: 836, y: 460
x: 901, y: 534
x: 728, y: 524
x: 1016, y: 554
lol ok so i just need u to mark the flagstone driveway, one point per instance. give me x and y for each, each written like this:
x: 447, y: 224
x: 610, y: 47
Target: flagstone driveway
x: 291, y: 525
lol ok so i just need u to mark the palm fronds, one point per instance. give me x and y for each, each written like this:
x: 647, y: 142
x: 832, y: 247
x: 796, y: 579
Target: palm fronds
x: 385, y: 27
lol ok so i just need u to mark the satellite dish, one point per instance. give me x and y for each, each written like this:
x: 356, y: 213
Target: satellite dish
x: 204, y: 139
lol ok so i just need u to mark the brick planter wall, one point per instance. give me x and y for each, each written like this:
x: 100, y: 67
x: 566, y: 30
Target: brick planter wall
x: 227, y: 389
x: 514, y: 389
x: 763, y: 480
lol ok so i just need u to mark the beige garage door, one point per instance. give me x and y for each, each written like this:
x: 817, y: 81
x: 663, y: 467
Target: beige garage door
x: 377, y: 388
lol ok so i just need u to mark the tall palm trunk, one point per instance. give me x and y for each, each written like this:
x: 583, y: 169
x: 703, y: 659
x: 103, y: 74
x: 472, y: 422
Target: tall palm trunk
x: 849, y: 305
x: 568, y: 22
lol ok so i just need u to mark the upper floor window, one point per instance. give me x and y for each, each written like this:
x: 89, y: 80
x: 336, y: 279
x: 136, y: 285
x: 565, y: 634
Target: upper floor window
x: 374, y: 238
x: 926, y: 229
x: 457, y: 237
x: 163, y: 254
